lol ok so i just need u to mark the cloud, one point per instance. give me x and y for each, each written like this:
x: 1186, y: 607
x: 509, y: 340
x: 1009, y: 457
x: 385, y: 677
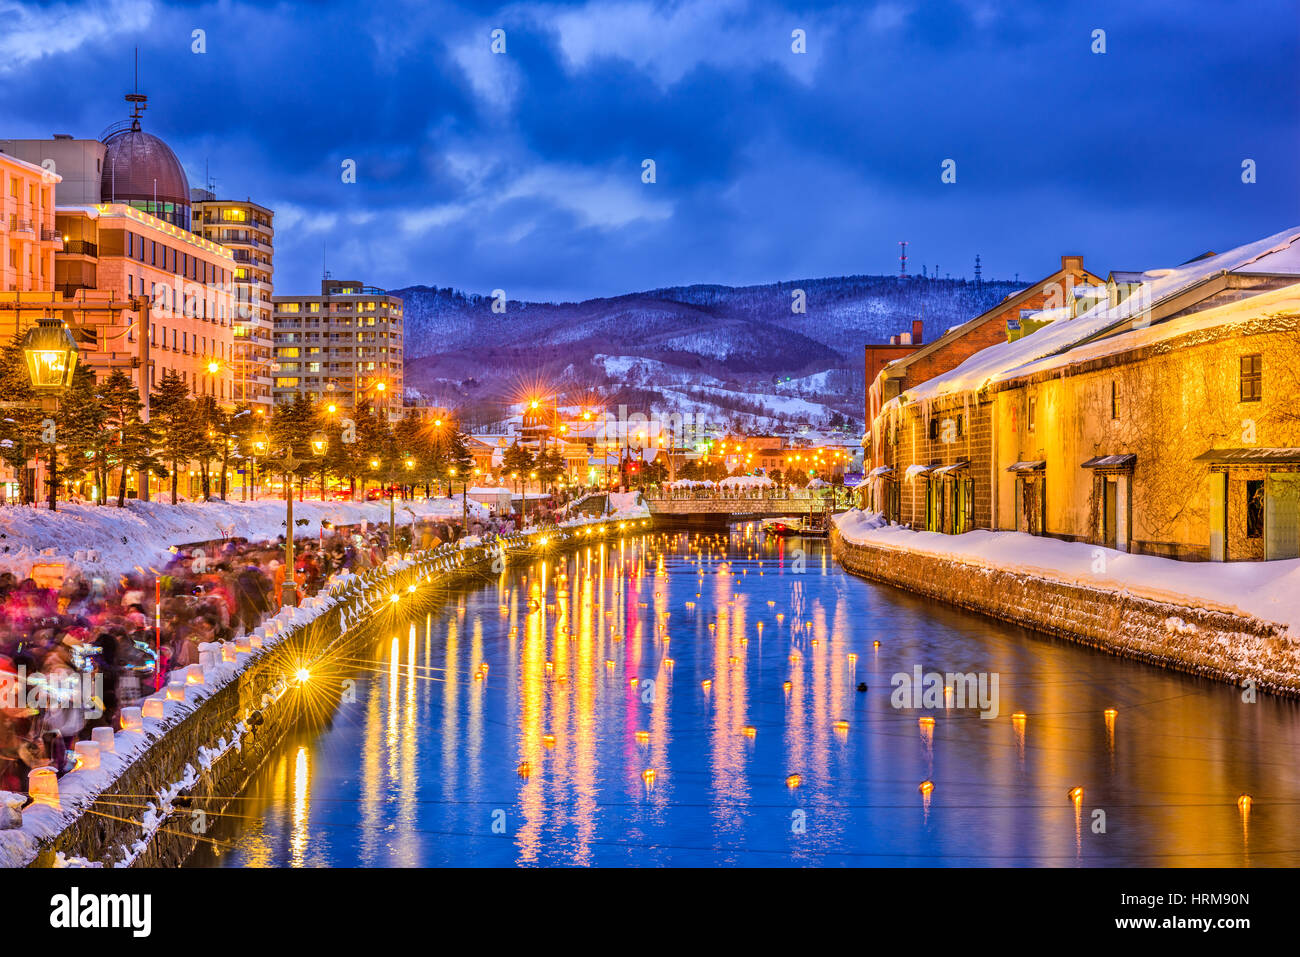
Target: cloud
x: 594, y: 199
x: 33, y: 31
x: 493, y: 77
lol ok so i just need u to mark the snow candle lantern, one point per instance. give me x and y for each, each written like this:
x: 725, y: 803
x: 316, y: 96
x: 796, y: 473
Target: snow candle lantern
x: 87, y: 756
x: 255, y: 642
x: 43, y: 786
x: 154, y: 706
x: 194, y: 675
x: 175, y: 691
x: 207, y: 659
x: 242, y: 644
x: 131, y: 719
x: 228, y: 652
x: 104, y: 738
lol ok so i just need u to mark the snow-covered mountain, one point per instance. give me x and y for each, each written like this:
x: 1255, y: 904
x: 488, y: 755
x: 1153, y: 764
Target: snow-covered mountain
x: 742, y: 340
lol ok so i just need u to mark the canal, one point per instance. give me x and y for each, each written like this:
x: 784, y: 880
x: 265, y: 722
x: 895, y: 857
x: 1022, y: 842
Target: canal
x: 675, y: 699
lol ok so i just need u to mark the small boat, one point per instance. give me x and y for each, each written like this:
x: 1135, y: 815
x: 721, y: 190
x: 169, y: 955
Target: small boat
x: 810, y: 526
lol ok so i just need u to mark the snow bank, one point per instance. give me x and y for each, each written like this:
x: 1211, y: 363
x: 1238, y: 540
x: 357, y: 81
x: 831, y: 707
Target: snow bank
x: 106, y: 540
x: 1267, y: 590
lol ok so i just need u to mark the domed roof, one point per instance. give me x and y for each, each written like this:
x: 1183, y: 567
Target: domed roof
x: 139, y: 166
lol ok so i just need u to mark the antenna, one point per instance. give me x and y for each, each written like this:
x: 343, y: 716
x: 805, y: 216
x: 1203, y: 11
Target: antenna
x: 902, y: 260
x: 978, y: 277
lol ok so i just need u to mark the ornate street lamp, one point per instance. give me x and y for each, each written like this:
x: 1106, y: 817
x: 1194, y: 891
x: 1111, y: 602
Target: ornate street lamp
x: 51, y: 354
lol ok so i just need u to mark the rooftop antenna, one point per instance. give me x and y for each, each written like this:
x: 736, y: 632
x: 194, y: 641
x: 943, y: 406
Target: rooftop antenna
x: 136, y: 98
x: 902, y: 260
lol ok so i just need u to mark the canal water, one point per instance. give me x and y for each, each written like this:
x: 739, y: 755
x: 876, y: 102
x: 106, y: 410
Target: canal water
x: 694, y: 700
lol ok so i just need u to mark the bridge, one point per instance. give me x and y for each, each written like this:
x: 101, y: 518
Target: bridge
x: 693, y: 507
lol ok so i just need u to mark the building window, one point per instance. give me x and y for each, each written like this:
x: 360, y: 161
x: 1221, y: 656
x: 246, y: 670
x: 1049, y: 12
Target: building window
x: 1114, y: 399
x: 1255, y: 508
x: 1252, y: 378
x: 934, y: 429
x: 1033, y: 411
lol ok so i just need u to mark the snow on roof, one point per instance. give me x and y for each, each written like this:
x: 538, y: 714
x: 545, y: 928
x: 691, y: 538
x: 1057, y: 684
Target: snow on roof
x: 1277, y: 301
x: 1007, y: 358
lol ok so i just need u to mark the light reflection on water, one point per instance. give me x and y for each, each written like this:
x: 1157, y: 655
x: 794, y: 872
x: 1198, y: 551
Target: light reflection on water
x: 593, y: 741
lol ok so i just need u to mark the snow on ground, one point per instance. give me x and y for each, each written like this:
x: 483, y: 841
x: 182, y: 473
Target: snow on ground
x: 108, y: 540
x: 1267, y: 590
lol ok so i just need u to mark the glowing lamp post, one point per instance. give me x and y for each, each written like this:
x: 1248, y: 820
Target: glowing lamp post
x: 319, y: 446
x: 51, y: 354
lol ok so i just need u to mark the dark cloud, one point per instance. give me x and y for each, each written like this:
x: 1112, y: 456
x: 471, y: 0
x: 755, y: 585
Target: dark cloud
x: 523, y: 171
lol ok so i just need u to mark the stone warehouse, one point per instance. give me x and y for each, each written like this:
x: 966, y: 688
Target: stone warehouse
x: 1155, y: 416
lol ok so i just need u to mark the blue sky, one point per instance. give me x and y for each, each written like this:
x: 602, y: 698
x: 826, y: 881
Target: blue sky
x: 523, y: 170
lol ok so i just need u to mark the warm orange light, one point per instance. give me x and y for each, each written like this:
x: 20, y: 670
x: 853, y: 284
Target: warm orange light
x: 793, y: 781
x: 1244, y: 802
x: 926, y: 788
x: 1076, y: 795
x: 643, y: 737
x: 548, y: 740
x: 706, y: 684
x: 749, y: 731
x: 524, y: 769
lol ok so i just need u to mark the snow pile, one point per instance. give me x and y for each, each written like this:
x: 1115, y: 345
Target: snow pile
x: 691, y: 483
x: 1269, y: 591
x: 106, y: 540
x: 746, y: 481
x: 627, y: 505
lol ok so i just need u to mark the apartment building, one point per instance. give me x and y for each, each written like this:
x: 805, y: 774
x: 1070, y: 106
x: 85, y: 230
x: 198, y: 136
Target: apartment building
x: 245, y: 228
x: 342, y: 347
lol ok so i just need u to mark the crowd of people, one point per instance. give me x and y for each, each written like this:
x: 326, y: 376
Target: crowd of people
x: 72, y: 657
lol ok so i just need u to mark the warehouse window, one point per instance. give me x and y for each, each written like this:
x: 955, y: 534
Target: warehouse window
x: 1252, y: 378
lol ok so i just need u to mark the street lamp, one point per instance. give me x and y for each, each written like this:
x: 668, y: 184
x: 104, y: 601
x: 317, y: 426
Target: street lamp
x: 51, y: 354
x: 320, y: 445
x: 259, y: 444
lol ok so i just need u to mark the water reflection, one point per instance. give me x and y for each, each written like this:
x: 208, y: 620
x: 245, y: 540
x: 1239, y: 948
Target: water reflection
x: 694, y: 700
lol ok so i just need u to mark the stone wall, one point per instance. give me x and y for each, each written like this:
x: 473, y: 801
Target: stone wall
x: 1214, y: 643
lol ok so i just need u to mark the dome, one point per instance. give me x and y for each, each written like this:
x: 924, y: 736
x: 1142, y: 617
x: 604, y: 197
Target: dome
x: 141, y: 170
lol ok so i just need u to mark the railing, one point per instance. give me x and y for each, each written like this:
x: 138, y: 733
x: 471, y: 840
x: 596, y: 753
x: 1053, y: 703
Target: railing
x: 50, y: 235
x: 80, y: 247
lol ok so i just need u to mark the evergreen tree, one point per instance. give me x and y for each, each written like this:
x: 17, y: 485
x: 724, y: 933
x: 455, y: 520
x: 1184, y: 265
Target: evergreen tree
x: 82, y: 426
x: 171, y: 411
x: 20, y: 420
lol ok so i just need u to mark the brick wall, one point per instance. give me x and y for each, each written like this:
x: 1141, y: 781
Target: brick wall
x: 1048, y: 293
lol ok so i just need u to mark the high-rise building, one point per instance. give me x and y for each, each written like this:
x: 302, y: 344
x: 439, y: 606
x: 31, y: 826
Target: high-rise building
x: 244, y: 227
x: 342, y: 347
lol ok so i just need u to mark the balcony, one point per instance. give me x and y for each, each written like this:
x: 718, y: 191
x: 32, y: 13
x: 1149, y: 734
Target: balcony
x: 79, y: 247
